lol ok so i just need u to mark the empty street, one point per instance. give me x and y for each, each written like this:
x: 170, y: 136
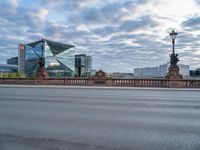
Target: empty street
x: 76, y: 118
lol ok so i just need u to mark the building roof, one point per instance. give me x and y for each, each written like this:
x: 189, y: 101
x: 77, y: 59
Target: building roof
x: 56, y: 47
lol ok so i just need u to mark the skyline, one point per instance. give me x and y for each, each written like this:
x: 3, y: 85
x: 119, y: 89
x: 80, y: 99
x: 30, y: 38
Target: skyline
x: 120, y: 36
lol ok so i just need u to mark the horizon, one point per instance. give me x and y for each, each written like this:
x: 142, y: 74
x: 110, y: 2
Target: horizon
x: 120, y: 36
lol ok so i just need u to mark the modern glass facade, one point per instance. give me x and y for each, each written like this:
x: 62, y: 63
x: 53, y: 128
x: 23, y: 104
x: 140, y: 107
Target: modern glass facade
x: 12, y: 61
x: 83, y: 65
x: 58, y: 58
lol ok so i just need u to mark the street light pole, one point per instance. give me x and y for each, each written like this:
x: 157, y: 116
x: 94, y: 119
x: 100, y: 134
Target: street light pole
x: 174, y: 57
x: 173, y: 35
x: 173, y: 43
x: 173, y: 69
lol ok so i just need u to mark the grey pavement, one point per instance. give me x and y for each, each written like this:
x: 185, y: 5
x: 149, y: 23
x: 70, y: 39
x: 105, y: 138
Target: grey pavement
x: 86, y: 118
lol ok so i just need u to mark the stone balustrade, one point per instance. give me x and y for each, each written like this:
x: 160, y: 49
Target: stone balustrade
x: 162, y: 83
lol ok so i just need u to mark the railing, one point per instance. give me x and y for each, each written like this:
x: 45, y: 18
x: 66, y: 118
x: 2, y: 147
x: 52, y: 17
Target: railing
x: 104, y: 82
x: 140, y: 82
x: 27, y: 81
x: 192, y: 83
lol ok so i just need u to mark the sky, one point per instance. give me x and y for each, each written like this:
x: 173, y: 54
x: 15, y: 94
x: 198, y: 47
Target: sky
x: 120, y: 35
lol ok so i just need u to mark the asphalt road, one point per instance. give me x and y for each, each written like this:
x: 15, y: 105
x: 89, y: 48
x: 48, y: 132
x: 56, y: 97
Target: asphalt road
x: 99, y: 119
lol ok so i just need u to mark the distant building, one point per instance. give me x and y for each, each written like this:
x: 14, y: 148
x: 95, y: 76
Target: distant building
x: 121, y: 75
x: 83, y: 65
x: 5, y: 68
x: 160, y: 71
x: 12, y: 61
x: 58, y: 58
x: 195, y: 73
x: 184, y: 69
x: 146, y: 72
x: 21, y: 59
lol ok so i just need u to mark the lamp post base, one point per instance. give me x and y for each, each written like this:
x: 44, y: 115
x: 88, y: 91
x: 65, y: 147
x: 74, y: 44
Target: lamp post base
x: 173, y: 73
x: 42, y: 73
x: 174, y: 77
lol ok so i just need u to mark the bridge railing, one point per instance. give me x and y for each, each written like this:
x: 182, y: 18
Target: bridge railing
x: 192, y: 83
x: 103, y: 82
x: 140, y: 82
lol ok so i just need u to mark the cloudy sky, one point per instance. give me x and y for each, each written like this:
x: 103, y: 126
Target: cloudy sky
x: 120, y: 35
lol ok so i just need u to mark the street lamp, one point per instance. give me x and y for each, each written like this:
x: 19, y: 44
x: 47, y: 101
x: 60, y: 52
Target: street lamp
x: 174, y: 57
x: 173, y: 35
x: 173, y: 69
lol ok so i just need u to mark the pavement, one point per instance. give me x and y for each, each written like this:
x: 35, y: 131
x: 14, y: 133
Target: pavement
x: 94, y: 118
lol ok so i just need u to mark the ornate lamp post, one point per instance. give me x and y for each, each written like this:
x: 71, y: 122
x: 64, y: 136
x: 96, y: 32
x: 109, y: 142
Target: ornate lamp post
x: 173, y: 69
x: 173, y: 35
x: 174, y: 57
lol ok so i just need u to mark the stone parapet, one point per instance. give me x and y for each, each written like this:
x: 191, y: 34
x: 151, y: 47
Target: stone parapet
x: 160, y: 83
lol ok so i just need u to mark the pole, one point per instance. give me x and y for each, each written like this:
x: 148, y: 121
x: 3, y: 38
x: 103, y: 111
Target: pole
x: 173, y: 49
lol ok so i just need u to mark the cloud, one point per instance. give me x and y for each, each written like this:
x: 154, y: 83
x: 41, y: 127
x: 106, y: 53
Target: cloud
x: 144, y: 22
x: 40, y: 15
x: 120, y: 35
x: 104, y: 31
x: 192, y: 23
x: 11, y: 3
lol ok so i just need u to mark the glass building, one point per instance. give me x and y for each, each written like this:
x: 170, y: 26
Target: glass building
x: 83, y: 65
x: 12, y: 61
x: 58, y: 58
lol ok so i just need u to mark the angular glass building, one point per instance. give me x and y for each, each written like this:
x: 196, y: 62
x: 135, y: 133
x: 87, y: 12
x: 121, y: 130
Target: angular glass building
x: 58, y: 58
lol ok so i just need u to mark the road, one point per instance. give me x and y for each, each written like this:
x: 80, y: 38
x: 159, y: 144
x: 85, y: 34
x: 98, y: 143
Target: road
x: 38, y: 118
